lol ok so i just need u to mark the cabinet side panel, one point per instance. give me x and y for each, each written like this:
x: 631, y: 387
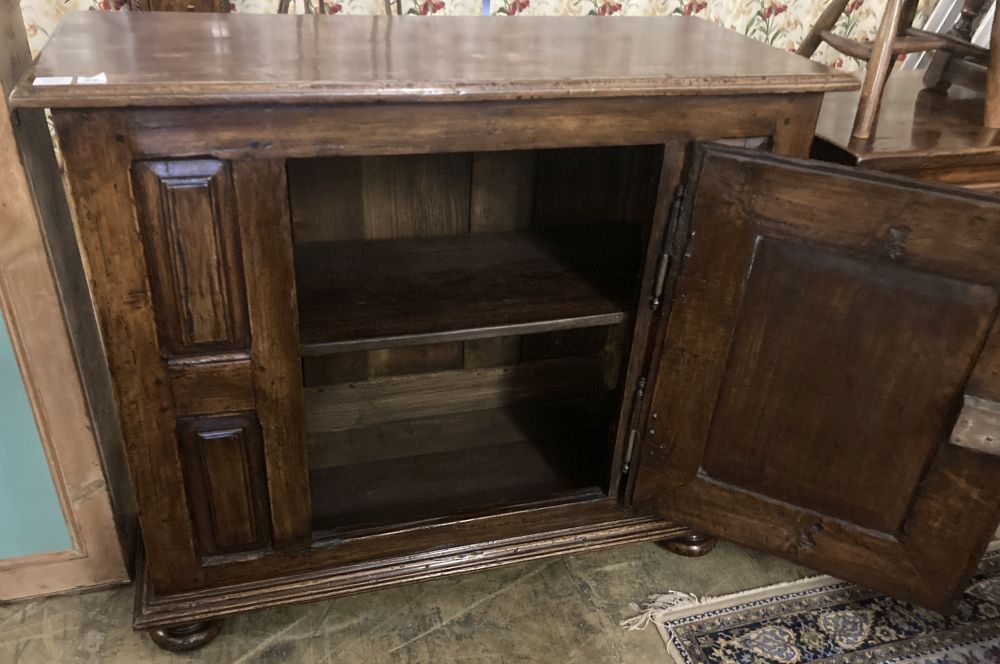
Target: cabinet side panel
x: 97, y: 158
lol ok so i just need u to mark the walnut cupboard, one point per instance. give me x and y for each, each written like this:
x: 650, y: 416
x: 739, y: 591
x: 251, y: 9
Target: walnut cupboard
x: 376, y: 314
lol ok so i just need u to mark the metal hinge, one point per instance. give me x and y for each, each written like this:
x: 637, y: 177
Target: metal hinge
x: 666, y: 254
x: 633, y: 423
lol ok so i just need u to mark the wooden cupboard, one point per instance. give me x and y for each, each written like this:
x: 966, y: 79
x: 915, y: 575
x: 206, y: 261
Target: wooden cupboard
x: 418, y: 298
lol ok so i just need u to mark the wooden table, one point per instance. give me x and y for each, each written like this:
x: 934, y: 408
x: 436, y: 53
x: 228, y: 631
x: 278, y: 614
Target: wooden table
x: 920, y: 133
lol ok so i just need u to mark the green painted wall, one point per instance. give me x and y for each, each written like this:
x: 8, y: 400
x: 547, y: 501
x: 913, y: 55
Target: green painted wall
x: 31, y: 520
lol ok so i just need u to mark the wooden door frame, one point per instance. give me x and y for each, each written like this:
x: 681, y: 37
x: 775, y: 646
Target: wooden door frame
x: 44, y: 320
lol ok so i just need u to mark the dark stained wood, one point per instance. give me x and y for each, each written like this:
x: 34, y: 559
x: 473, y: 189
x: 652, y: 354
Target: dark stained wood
x: 186, y: 637
x: 325, y: 198
x: 362, y: 295
x: 903, y: 316
x: 491, y: 352
x: 992, y: 116
x: 262, y: 209
x: 192, y: 244
x: 392, y: 211
x: 452, y: 430
x: 503, y: 191
x: 174, y: 59
x: 349, y: 405
x: 794, y: 133
x: 552, y: 453
x: 460, y: 234
x: 498, y: 540
x: 211, y: 385
x: 808, y: 353
x: 321, y: 370
x: 595, y: 185
x: 646, y: 347
x: 415, y: 359
x: 691, y: 546
x: 410, y: 128
x: 223, y: 462
x: 98, y: 162
x: 925, y: 134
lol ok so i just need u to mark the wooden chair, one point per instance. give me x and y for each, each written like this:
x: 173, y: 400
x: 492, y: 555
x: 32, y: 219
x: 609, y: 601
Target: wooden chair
x: 957, y: 61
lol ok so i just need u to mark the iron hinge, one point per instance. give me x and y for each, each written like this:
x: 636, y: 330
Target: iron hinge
x: 668, y: 249
x: 633, y: 423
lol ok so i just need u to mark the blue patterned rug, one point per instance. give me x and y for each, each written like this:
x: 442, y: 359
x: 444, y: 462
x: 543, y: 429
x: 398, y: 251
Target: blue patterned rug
x: 824, y: 620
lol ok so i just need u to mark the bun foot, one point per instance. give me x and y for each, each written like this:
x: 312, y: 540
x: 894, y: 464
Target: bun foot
x: 186, y: 637
x: 690, y: 545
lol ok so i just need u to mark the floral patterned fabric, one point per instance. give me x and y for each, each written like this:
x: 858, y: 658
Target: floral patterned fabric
x: 781, y: 23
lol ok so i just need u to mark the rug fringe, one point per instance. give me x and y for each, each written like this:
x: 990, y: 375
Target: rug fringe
x: 659, y: 608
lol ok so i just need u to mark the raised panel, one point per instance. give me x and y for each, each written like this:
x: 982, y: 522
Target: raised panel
x: 227, y: 488
x: 192, y: 245
x: 840, y: 370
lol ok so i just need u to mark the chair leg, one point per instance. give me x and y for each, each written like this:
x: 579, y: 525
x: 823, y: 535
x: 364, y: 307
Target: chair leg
x: 936, y: 75
x: 992, y: 119
x: 879, y: 66
x: 826, y: 21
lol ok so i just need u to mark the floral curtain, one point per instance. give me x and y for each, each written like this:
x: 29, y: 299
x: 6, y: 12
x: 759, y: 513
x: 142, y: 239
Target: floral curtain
x: 780, y: 23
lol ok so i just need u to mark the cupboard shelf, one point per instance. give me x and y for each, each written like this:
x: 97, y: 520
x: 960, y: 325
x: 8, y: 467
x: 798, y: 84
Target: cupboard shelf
x: 365, y: 294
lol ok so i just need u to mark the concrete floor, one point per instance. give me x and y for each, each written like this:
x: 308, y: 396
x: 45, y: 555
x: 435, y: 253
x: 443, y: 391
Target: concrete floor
x: 554, y: 611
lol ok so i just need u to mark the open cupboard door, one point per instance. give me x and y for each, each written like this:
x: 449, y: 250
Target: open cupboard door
x: 828, y: 383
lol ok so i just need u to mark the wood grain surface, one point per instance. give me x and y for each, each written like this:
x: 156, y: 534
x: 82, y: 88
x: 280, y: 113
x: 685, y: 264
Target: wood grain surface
x: 194, y: 59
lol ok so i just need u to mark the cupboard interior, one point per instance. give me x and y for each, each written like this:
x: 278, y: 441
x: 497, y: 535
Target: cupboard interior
x: 464, y: 325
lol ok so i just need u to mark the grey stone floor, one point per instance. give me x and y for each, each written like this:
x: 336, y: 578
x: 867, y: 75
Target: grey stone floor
x: 553, y: 611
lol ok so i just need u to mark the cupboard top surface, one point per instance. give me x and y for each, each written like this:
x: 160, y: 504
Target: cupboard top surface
x: 209, y: 59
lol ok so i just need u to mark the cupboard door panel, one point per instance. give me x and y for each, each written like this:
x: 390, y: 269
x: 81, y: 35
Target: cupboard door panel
x: 793, y: 374
x: 192, y: 244
x: 224, y: 473
x: 829, y: 378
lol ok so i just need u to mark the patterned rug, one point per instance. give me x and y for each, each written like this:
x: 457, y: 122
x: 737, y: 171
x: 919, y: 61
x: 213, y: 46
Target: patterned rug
x: 822, y: 619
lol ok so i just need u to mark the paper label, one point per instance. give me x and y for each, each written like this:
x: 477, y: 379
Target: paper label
x: 97, y: 79
x: 52, y: 80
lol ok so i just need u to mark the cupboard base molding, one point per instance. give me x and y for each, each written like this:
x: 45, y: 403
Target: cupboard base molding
x: 692, y: 546
x: 186, y: 637
x: 164, y: 611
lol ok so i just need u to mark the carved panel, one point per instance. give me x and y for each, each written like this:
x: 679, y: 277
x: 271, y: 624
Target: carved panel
x: 840, y: 362
x: 192, y: 245
x: 227, y: 487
